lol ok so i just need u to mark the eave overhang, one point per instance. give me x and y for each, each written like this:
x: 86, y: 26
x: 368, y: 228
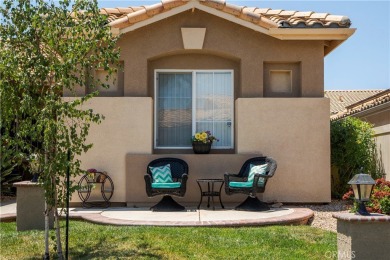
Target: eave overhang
x: 332, y: 37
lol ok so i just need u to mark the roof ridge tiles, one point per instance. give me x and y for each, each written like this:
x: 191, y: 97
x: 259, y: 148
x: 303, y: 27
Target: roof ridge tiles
x: 262, y: 10
x: 256, y: 15
x: 287, y: 13
x: 253, y: 17
x: 344, y: 104
x: 274, y: 11
x: 349, y: 90
x: 220, y: 4
x: 319, y: 15
x: 152, y: 10
x: 233, y: 9
x: 303, y: 14
x: 383, y: 95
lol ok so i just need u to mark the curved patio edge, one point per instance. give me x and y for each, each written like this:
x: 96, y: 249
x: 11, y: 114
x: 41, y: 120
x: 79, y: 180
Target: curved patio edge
x: 300, y: 216
x: 8, y: 217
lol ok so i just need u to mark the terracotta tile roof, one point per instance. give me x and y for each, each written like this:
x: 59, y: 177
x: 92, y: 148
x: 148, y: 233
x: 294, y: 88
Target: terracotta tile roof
x: 340, y: 99
x: 265, y: 17
x: 378, y: 99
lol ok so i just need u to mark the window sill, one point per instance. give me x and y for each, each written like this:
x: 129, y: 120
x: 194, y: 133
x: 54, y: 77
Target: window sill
x: 190, y: 151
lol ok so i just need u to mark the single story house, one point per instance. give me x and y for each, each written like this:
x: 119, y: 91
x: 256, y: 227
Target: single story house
x: 374, y: 109
x: 252, y: 76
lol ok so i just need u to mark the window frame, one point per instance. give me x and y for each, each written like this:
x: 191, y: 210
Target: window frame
x: 193, y: 72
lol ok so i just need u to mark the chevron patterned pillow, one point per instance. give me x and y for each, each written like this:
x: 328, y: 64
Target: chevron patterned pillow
x: 262, y: 168
x: 162, y: 174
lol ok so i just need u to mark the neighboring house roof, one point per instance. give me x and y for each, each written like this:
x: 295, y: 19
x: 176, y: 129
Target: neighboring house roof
x: 281, y: 24
x: 340, y: 99
x: 375, y: 101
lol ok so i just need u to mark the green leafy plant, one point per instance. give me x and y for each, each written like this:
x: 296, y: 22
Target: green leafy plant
x: 9, y: 160
x: 46, y: 48
x: 204, y: 137
x: 352, y: 148
x: 379, y: 200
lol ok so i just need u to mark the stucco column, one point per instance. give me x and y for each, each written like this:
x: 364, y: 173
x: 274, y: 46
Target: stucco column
x: 362, y: 237
x: 30, y: 206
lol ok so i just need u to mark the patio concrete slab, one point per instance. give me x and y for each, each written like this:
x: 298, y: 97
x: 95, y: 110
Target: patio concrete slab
x: 8, y: 210
x: 142, y: 214
x: 191, y: 217
x: 234, y: 215
x: 8, y: 207
x: 86, y: 211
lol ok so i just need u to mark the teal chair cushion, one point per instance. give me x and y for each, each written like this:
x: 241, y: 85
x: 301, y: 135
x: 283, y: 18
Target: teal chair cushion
x: 171, y: 185
x: 161, y: 174
x: 240, y: 184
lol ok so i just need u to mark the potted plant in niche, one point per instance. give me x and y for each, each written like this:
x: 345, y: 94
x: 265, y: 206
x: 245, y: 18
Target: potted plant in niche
x: 202, y: 141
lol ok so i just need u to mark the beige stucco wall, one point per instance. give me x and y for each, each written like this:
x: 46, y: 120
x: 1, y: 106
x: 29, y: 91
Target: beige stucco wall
x: 380, y: 118
x: 127, y: 128
x: 363, y: 240
x: 199, y: 165
x: 248, y: 50
x: 290, y: 130
x: 296, y: 133
x: 30, y: 207
x: 382, y: 138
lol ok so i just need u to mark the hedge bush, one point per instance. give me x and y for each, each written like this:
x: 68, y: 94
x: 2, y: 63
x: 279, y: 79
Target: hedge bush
x: 353, y: 149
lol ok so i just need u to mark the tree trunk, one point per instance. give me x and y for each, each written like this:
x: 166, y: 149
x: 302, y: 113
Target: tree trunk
x: 58, y: 235
x: 57, y: 221
x: 47, y: 225
x: 47, y: 255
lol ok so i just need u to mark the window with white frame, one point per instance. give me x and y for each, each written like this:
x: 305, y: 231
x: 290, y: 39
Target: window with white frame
x: 188, y: 101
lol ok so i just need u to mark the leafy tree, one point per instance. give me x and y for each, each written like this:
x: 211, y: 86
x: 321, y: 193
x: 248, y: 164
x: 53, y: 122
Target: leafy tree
x: 8, y: 162
x: 353, y: 149
x: 45, y: 48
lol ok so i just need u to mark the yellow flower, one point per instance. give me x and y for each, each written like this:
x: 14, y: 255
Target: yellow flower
x: 204, y: 136
x: 197, y: 136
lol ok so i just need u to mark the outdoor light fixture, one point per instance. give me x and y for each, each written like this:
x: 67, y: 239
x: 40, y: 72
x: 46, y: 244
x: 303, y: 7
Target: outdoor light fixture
x: 362, y: 185
x: 35, y: 166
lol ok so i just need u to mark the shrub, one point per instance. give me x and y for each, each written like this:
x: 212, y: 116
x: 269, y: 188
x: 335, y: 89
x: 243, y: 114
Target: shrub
x: 379, y: 200
x: 9, y: 160
x: 352, y: 149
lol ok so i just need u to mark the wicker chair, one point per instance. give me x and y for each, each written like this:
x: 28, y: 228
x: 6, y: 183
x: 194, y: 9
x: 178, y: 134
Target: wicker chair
x: 179, y: 171
x: 252, y: 203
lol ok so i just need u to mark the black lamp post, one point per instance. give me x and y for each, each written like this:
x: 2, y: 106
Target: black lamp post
x: 35, y: 166
x: 362, y: 185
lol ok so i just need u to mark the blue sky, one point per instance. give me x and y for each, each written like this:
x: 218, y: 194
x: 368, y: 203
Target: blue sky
x: 361, y: 62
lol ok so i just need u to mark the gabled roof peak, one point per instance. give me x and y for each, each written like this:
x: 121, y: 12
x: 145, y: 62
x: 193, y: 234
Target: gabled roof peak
x: 269, y: 18
x: 277, y: 23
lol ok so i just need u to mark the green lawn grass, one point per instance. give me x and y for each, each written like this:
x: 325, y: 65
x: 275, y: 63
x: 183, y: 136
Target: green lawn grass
x: 93, y: 241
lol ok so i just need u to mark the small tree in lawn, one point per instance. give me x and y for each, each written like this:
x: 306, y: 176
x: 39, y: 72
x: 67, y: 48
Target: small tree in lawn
x: 46, y: 47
